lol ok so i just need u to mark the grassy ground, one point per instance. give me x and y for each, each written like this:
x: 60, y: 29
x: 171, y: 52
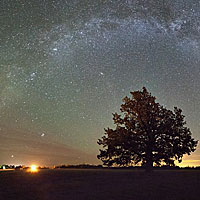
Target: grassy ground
x: 100, y: 185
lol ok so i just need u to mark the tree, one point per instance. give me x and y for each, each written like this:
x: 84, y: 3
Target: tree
x: 146, y: 133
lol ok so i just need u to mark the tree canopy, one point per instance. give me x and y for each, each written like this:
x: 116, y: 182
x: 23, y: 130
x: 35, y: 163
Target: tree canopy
x: 147, y: 133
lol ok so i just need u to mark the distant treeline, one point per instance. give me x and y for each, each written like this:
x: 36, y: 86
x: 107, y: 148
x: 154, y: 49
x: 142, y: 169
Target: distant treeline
x: 80, y: 166
x: 88, y: 166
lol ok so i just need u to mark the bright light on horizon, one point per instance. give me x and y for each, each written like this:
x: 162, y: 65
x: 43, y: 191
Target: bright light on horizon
x: 33, y: 168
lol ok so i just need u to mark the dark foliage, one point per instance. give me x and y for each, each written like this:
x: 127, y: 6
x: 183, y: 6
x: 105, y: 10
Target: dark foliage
x: 146, y: 133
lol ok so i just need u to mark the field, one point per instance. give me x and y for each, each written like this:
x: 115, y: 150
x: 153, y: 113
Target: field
x: 98, y: 184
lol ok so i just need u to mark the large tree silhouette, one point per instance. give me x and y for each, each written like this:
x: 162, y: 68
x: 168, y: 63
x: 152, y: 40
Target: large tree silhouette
x: 146, y: 133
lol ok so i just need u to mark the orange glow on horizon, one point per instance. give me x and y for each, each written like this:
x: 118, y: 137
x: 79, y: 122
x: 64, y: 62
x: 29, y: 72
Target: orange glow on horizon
x: 33, y: 169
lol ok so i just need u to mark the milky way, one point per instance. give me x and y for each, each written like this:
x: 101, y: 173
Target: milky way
x: 66, y: 65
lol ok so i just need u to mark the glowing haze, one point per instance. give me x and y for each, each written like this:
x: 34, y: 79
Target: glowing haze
x: 65, y: 65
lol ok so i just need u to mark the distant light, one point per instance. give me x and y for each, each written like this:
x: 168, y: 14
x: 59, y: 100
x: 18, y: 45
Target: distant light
x: 42, y: 135
x: 33, y: 168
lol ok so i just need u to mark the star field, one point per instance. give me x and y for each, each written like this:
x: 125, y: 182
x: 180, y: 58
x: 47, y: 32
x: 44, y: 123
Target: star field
x: 66, y: 65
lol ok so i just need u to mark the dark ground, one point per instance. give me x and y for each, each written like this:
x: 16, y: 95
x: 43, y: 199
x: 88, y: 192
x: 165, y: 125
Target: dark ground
x: 98, y: 184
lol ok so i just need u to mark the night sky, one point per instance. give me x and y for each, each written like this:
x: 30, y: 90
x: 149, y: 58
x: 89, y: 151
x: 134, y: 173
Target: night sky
x: 65, y: 66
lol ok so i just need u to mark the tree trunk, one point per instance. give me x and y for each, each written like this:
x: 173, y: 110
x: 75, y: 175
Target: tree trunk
x: 149, y: 164
x: 149, y: 158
